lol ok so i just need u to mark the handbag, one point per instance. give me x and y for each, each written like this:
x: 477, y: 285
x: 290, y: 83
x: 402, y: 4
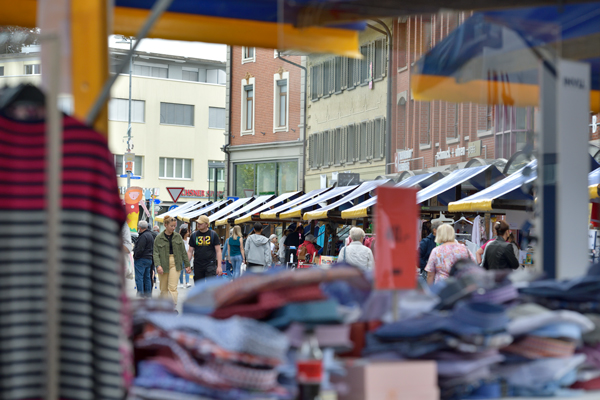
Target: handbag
x: 242, y: 268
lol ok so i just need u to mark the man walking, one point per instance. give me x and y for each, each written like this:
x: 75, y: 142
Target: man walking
x: 426, y: 245
x: 142, y: 256
x: 258, y: 251
x: 205, y: 248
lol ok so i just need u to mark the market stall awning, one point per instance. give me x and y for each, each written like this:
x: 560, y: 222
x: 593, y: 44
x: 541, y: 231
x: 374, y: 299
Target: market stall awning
x: 507, y: 189
x: 192, y: 214
x: 236, y: 205
x: 190, y: 205
x: 493, y: 57
x: 274, y: 213
x: 446, y: 188
x: 273, y: 203
x: 317, y: 202
x: 241, y: 23
x: 363, y: 210
x: 594, y: 184
x: 258, y: 201
x: 362, y: 192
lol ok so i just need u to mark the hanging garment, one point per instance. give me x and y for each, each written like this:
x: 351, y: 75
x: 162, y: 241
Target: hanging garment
x: 476, y: 231
x: 90, y: 261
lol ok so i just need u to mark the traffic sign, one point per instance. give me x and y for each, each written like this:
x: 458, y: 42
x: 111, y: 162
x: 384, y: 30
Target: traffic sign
x: 174, y: 206
x: 129, y: 157
x: 175, y: 192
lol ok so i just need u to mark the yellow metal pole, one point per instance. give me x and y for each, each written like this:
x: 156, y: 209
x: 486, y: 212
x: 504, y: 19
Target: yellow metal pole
x: 89, y: 46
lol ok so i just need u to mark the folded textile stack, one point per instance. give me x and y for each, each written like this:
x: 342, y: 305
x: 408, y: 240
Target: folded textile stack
x: 202, y: 357
x: 464, y: 343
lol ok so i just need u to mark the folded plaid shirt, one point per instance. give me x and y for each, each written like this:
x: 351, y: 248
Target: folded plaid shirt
x: 535, y: 347
x: 211, y: 373
x: 205, y: 349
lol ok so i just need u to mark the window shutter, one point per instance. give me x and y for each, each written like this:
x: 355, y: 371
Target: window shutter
x: 311, y: 149
x: 384, y: 55
x: 364, y: 141
x: 320, y: 82
x: 335, y: 146
x: 326, y: 148
x: 370, y: 139
x: 383, y: 138
x: 343, y: 144
x: 350, y: 144
x: 344, y: 73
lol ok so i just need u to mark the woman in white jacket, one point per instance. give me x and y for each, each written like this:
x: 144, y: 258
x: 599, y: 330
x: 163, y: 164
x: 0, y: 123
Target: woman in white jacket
x: 356, y: 253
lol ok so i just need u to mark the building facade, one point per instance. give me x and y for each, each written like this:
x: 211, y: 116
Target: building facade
x: 347, y: 109
x: 265, y: 145
x: 178, y: 120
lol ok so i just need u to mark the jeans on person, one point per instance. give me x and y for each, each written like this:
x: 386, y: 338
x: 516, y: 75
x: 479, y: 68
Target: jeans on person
x: 236, y: 262
x: 187, y: 276
x: 143, y: 283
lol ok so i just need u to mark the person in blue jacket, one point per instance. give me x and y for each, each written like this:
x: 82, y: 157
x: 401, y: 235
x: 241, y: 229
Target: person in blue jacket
x: 426, y: 245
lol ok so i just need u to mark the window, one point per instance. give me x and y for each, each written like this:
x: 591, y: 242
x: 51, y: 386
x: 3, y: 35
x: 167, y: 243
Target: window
x: 424, y: 125
x: 189, y: 75
x: 521, y: 118
x: 402, y: 45
x: 153, y: 71
x: 281, y: 108
x: 338, y: 75
x: 248, y: 54
x: 248, y: 108
x: 364, y: 64
x: 118, y: 110
x: 220, y: 174
x: 273, y: 177
x: 176, y: 168
x: 176, y: 114
x: 380, y: 64
x: 489, y: 120
x: 216, y: 118
x: 1, y: 71
x: 120, y: 165
x: 217, y: 76
x: 31, y: 69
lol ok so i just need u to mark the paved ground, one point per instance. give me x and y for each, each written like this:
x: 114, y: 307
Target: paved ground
x: 131, y: 291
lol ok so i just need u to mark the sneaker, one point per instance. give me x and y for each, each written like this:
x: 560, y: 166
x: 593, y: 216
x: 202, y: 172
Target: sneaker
x: 187, y: 285
x: 180, y: 285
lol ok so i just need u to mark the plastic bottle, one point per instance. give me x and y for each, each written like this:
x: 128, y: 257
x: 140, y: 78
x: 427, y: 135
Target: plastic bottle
x: 310, y: 367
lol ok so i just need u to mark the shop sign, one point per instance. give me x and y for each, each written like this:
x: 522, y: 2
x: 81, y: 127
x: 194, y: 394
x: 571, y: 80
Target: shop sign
x: 402, y: 158
x: 396, y: 215
x: 475, y: 148
x: 152, y: 191
x: 200, y: 193
x: 457, y: 152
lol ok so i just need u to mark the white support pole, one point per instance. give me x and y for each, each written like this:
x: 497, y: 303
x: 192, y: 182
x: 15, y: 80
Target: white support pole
x: 572, y: 119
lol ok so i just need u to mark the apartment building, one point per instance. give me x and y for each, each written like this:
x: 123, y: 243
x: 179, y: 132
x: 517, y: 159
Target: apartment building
x: 265, y: 146
x: 177, y: 114
x: 347, y: 108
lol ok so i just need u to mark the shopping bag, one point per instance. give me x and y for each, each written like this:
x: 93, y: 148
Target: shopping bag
x: 242, y: 268
x: 129, y: 263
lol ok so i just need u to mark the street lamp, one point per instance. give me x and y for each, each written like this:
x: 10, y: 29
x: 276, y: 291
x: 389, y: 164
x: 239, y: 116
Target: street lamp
x: 130, y: 41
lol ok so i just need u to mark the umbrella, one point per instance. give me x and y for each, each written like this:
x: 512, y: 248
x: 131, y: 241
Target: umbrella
x: 494, y: 56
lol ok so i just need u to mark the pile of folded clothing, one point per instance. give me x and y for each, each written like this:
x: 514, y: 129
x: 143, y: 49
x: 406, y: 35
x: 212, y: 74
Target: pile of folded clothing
x: 542, y: 360
x: 192, y: 356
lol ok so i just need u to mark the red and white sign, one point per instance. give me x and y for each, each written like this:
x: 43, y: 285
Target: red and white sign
x: 395, y: 248
x: 175, y: 192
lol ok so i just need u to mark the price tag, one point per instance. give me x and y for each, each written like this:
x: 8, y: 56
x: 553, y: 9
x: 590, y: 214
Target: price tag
x: 396, y: 218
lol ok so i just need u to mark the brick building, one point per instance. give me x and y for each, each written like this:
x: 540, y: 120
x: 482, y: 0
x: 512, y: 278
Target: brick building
x: 438, y: 135
x: 265, y: 143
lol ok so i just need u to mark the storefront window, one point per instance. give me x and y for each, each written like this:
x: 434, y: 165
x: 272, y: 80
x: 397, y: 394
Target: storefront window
x: 275, y: 177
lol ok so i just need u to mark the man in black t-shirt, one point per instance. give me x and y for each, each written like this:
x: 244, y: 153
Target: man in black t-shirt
x: 205, y: 247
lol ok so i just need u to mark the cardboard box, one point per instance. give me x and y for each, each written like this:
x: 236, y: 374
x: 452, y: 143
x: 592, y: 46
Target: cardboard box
x: 389, y: 380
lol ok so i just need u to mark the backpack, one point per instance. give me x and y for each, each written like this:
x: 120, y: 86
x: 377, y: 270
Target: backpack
x: 302, y: 253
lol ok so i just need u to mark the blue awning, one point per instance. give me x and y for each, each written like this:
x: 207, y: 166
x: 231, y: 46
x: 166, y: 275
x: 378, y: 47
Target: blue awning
x: 507, y: 189
x: 362, y: 210
x: 347, y: 201
x: 274, y: 213
x: 330, y: 195
x: 445, y: 188
x: 189, y: 214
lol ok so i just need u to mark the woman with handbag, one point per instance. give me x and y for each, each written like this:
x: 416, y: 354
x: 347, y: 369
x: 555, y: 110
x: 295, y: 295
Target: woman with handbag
x: 235, y: 251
